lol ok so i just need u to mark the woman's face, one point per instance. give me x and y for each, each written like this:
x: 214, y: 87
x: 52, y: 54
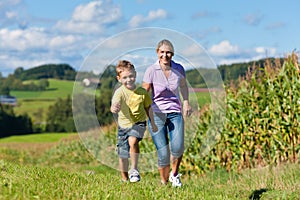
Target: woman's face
x: 165, y: 54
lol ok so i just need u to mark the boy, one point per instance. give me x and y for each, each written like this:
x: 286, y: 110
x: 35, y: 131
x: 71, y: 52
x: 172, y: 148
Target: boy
x: 132, y: 104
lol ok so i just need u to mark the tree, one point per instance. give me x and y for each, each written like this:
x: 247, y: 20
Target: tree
x: 10, y: 124
x: 60, y: 116
x: 4, y: 90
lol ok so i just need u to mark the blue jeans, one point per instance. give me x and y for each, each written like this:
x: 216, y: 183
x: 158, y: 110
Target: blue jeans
x: 137, y: 130
x: 170, y: 130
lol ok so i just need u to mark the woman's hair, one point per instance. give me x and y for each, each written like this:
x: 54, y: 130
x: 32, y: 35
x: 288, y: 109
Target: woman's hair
x: 124, y: 65
x: 165, y: 42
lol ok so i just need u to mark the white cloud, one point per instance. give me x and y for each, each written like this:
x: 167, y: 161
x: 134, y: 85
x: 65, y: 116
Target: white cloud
x: 267, y: 51
x: 276, y: 25
x: 61, y: 41
x: 91, y: 18
x: 224, y: 48
x: 21, y: 40
x: 11, y: 15
x: 225, y: 53
x: 253, y: 19
x: 152, y: 15
x: 8, y: 13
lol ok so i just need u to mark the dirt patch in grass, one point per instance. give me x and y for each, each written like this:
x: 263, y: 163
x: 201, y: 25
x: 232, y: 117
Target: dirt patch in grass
x: 35, y: 148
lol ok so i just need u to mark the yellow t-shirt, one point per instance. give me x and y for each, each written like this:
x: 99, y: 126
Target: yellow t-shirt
x: 133, y: 104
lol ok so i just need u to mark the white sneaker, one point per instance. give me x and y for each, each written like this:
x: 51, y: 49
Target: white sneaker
x: 134, y: 175
x: 175, y: 180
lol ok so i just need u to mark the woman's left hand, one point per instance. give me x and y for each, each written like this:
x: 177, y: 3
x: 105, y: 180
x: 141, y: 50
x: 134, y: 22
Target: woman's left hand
x: 187, y: 109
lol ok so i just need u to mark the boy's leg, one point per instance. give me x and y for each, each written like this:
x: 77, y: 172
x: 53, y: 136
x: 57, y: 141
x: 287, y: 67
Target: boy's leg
x: 123, y: 164
x: 134, y: 175
x: 134, y: 151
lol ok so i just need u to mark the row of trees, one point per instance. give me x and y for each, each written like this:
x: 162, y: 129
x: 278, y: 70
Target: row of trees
x: 229, y: 73
x: 12, y: 83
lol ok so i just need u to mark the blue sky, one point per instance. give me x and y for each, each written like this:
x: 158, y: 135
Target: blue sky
x: 35, y: 32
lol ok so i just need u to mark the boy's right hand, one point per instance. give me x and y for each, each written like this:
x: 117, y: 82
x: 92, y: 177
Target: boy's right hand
x: 115, y: 108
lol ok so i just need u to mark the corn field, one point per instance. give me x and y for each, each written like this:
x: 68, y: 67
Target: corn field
x: 261, y: 126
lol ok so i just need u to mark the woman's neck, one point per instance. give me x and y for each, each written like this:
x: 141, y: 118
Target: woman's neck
x: 165, y: 67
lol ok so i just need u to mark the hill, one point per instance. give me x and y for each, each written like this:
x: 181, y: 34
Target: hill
x: 55, y: 71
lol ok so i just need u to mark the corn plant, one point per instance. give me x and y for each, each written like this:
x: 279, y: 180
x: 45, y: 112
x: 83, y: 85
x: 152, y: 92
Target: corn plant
x: 262, y: 121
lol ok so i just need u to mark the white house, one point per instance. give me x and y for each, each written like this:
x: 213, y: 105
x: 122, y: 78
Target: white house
x: 8, y: 100
x: 88, y: 82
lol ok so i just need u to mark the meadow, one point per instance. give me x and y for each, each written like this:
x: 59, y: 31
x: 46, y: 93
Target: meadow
x: 36, y: 103
x: 57, y: 166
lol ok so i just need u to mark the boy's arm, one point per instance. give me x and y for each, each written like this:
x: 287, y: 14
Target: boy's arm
x: 115, y: 103
x: 115, y: 107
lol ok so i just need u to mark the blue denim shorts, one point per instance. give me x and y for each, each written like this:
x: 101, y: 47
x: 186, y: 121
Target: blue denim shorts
x: 170, y: 130
x: 137, y: 130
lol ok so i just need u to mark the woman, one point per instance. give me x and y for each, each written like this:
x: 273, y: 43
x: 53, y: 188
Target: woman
x: 164, y: 78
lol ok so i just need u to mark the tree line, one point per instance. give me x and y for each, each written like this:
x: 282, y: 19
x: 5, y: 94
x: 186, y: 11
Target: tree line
x: 228, y: 72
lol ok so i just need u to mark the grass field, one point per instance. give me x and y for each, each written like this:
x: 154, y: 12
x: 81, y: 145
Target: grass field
x: 56, y: 89
x: 63, y: 169
x: 36, y: 103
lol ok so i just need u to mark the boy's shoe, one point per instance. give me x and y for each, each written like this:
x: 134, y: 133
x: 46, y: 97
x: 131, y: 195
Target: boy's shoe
x: 175, y: 180
x: 134, y: 175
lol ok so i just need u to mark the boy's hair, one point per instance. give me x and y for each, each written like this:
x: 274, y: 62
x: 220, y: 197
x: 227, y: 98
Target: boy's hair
x: 124, y: 65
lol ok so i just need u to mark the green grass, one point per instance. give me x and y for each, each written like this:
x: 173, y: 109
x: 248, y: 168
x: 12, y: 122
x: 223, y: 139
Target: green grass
x: 56, y: 89
x: 203, y: 98
x: 36, y: 103
x: 45, y: 137
x: 68, y: 171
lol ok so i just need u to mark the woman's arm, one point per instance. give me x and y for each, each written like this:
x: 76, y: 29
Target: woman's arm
x: 187, y: 109
x: 147, y: 86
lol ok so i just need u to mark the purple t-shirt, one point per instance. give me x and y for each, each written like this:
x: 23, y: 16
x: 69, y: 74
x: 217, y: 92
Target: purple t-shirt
x: 165, y: 91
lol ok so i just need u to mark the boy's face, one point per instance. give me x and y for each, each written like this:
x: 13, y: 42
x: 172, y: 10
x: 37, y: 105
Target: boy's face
x: 127, y: 78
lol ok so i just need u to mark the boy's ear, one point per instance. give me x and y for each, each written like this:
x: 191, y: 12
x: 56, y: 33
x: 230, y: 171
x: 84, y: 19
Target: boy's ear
x: 118, y: 78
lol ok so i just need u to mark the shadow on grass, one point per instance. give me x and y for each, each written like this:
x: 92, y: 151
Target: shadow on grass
x: 256, y: 194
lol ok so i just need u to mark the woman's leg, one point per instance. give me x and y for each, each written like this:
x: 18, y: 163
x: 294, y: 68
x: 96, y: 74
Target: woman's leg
x: 160, y: 139
x: 176, y: 132
x: 164, y: 174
